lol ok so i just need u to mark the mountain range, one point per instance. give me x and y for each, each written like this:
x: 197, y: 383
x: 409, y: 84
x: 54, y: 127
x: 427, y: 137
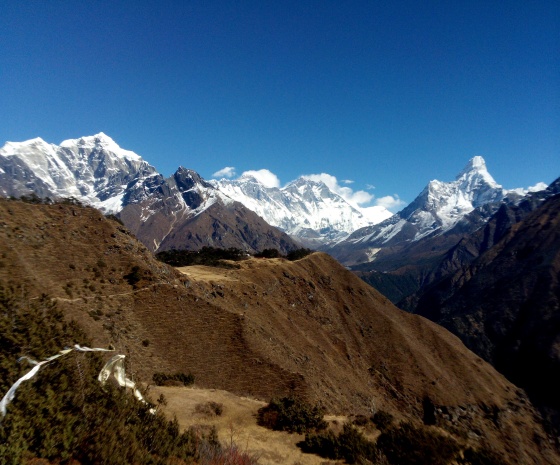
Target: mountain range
x: 306, y: 209
x: 441, y: 209
x: 469, y: 255
x: 96, y: 171
x: 499, y: 291
x: 185, y: 211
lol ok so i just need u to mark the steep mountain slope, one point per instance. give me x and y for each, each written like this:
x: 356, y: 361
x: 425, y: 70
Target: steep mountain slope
x: 505, y: 306
x: 306, y: 209
x: 471, y: 246
x: 186, y: 212
x: 268, y: 327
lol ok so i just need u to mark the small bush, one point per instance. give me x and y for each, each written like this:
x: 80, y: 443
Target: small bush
x: 215, y: 454
x: 298, y: 254
x: 350, y: 445
x: 163, y: 379
x: 291, y: 414
x: 210, y: 409
x: 134, y: 276
x: 382, y: 420
x: 406, y: 444
x: 360, y: 420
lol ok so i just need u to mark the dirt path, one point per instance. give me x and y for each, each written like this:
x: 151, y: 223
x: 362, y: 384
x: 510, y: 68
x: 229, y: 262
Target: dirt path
x: 208, y: 273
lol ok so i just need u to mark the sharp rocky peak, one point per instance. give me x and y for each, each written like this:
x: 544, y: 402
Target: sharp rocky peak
x: 476, y: 163
x: 476, y: 169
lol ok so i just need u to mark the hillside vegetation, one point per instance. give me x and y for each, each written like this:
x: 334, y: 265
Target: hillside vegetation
x: 266, y: 329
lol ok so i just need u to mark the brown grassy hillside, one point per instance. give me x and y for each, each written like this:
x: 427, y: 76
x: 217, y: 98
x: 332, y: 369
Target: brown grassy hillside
x: 266, y: 328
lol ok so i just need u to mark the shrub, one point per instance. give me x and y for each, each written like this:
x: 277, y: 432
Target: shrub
x: 291, y: 414
x: 163, y: 379
x: 360, y: 420
x: 350, y: 445
x: 268, y: 253
x: 382, y: 420
x: 215, y: 454
x: 134, y: 276
x: 406, y: 444
x: 211, y: 409
x: 298, y: 254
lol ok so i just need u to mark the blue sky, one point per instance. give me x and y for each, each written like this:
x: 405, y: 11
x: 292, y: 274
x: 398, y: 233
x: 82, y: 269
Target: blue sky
x: 388, y: 95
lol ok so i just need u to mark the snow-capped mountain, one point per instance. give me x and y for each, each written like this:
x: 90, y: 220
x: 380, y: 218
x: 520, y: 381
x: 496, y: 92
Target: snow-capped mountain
x: 94, y: 170
x: 182, y: 211
x: 306, y: 209
x: 441, y: 208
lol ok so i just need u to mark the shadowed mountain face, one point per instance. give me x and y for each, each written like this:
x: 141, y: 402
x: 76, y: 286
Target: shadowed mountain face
x: 505, y: 305
x: 185, y: 212
x: 266, y: 328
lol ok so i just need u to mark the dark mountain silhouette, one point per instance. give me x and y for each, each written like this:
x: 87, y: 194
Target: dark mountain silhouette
x: 501, y: 296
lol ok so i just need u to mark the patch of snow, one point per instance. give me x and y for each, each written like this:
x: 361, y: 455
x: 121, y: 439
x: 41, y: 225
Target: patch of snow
x: 371, y: 253
x: 112, y: 205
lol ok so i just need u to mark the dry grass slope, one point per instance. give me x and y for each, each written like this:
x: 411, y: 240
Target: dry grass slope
x: 269, y: 328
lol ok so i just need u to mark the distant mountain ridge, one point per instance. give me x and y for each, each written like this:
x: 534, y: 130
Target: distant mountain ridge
x: 92, y: 169
x: 304, y: 208
x: 463, y: 204
x: 96, y: 171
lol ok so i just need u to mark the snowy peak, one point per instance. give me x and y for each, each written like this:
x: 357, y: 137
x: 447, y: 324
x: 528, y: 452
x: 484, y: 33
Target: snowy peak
x: 477, y: 183
x: 475, y: 165
x: 15, y: 148
x: 93, y: 169
x: 99, y: 141
x: 447, y: 202
x: 306, y: 209
x: 439, y: 208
